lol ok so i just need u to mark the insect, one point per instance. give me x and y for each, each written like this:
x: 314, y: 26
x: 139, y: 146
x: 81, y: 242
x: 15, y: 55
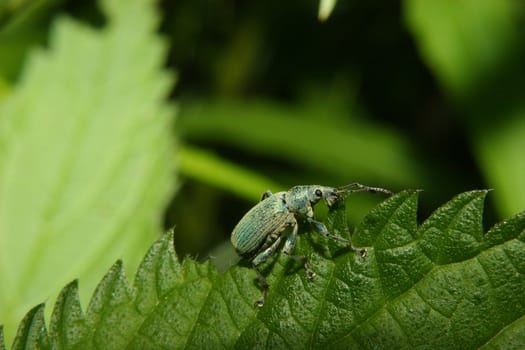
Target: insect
x: 259, y: 234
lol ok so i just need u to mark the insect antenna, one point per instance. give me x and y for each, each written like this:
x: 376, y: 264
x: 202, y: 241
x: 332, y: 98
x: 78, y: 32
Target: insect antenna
x: 357, y: 187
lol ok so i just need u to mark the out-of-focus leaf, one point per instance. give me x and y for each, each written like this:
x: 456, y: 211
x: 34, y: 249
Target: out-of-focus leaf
x: 501, y: 154
x: 86, y: 156
x: 206, y: 167
x: 325, y: 9
x: 354, y: 151
x: 463, y: 41
x: 472, y: 46
x: 4, y: 88
x: 22, y: 25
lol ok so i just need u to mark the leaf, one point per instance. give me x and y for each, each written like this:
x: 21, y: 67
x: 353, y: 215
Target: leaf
x: 67, y: 314
x: 463, y: 41
x: 288, y: 134
x: 211, y: 169
x: 32, y: 333
x: 325, y: 9
x: 474, y: 48
x: 86, y: 156
x: 441, y: 285
x: 499, y: 151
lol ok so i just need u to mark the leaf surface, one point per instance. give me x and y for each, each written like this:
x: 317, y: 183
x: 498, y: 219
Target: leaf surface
x: 441, y: 285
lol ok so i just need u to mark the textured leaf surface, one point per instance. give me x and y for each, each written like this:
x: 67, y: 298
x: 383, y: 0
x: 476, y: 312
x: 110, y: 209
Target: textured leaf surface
x: 443, y: 285
x: 86, y: 157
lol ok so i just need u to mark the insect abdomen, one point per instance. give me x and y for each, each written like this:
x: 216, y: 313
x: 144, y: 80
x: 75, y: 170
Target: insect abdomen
x: 252, y: 231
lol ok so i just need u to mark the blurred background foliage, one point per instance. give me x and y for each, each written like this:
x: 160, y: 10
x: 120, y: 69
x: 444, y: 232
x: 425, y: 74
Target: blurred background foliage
x: 397, y: 94
x: 400, y: 94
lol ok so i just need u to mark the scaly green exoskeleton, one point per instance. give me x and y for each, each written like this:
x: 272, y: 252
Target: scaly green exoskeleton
x: 261, y: 231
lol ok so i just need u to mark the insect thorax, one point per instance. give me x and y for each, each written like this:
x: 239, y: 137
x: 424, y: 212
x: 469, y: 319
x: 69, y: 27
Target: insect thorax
x: 297, y: 200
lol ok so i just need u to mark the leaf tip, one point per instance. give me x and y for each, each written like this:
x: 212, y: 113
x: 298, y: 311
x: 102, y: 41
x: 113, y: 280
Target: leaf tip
x: 2, y: 343
x: 32, y: 329
x: 325, y: 9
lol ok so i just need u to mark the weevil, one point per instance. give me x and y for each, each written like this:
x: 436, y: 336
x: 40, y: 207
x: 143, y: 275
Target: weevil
x: 261, y: 231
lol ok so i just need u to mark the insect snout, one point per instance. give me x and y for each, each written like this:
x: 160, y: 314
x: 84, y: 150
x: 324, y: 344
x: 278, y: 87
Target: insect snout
x: 331, y: 197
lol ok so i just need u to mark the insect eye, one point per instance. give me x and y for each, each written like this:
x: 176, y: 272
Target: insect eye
x: 318, y: 193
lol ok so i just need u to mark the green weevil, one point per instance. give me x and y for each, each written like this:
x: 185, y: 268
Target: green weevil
x: 260, y: 232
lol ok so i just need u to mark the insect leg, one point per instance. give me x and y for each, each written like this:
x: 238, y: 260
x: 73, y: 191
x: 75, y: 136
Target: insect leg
x: 259, y: 259
x: 321, y: 229
x: 289, y: 245
x: 265, y: 195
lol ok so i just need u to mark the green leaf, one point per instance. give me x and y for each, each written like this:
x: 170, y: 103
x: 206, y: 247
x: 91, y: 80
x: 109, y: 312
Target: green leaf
x: 325, y: 9
x: 67, y: 314
x: 442, y: 285
x: 86, y: 156
x: 474, y: 49
x: 296, y: 136
x: 211, y: 169
x: 32, y: 333
x: 499, y: 150
x: 464, y: 41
